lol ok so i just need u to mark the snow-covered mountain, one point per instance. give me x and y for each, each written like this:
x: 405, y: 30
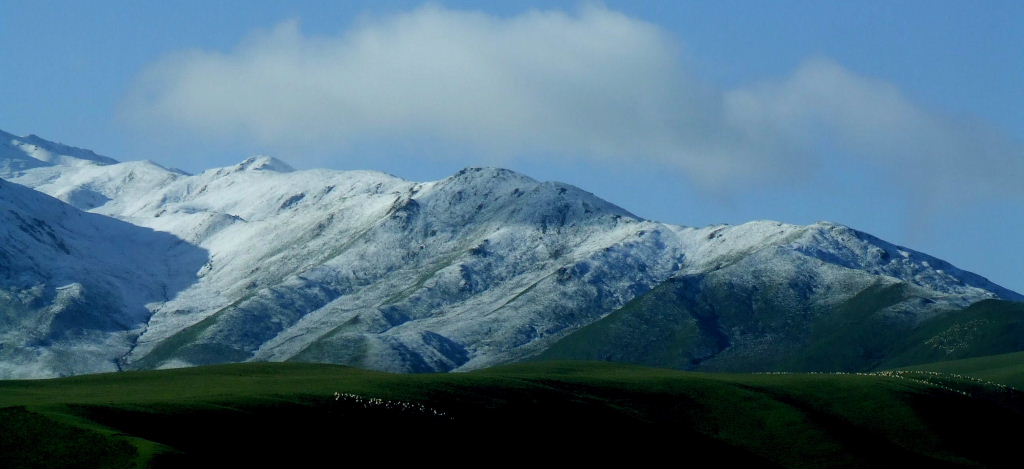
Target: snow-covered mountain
x: 259, y: 261
x: 18, y: 154
x: 76, y: 288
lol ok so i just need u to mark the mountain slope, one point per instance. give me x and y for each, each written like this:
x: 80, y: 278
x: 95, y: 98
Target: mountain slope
x: 74, y: 286
x: 866, y: 332
x: 484, y: 267
x: 821, y: 298
x: 399, y: 275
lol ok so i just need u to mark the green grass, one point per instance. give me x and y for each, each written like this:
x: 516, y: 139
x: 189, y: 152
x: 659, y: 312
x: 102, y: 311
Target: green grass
x: 1007, y: 368
x: 985, y: 328
x: 547, y: 412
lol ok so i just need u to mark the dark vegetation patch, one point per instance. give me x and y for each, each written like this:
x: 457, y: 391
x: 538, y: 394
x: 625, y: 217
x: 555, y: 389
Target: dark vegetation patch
x: 30, y: 439
x: 561, y: 413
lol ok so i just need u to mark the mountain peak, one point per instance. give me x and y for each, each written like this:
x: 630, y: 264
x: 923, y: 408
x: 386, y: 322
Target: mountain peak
x: 264, y: 163
x: 21, y: 153
x: 483, y: 173
x: 62, y: 150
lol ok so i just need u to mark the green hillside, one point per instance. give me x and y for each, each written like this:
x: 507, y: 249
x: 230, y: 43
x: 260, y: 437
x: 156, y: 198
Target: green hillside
x: 704, y: 323
x: 985, y: 328
x: 1007, y: 368
x: 552, y: 413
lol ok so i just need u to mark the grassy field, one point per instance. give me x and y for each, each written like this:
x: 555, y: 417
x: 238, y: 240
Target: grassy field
x: 1007, y: 368
x: 549, y: 412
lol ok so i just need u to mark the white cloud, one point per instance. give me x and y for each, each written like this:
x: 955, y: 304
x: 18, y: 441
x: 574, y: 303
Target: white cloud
x: 591, y: 84
x: 928, y: 151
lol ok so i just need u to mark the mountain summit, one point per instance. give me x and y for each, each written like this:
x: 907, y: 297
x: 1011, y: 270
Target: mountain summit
x: 261, y: 262
x: 18, y: 154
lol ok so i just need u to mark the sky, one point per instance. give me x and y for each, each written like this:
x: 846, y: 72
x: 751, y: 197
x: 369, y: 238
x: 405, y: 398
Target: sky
x: 901, y: 119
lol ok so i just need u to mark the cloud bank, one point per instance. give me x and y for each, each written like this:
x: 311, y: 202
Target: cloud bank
x: 589, y: 84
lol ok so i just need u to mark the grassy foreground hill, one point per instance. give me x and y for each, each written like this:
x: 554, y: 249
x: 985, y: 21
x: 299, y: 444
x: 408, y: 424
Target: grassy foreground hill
x: 1006, y: 369
x: 582, y: 413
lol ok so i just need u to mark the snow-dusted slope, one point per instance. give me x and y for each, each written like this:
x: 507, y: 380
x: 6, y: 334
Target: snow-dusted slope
x: 75, y: 286
x: 714, y: 247
x: 484, y: 267
x: 18, y: 154
x: 365, y: 268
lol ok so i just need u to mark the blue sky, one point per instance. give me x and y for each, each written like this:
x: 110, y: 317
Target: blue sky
x: 901, y: 119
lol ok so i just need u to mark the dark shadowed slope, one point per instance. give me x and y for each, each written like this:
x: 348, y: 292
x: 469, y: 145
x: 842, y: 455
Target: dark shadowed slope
x: 77, y: 288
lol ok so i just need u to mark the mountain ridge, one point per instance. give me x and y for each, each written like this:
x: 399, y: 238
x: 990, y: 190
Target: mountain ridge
x: 487, y: 266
